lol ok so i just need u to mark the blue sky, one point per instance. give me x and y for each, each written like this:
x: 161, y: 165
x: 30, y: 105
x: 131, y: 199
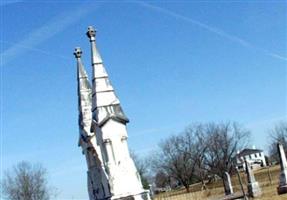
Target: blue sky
x: 171, y: 64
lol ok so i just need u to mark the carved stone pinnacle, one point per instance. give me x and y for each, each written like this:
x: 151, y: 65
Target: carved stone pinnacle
x: 91, y: 32
x: 78, y: 52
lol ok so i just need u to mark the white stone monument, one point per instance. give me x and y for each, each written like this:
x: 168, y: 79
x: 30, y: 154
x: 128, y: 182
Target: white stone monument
x: 282, y: 188
x: 112, y: 173
x: 228, y: 189
x: 87, y: 140
x: 252, y: 185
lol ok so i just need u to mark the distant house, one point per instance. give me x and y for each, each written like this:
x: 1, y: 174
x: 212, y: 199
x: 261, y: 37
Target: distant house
x: 254, y: 156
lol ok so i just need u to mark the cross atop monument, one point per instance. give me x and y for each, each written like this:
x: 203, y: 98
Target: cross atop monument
x: 78, y: 52
x: 91, y: 33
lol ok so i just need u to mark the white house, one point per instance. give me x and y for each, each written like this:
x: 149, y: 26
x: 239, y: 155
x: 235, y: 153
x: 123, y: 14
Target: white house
x: 254, y: 156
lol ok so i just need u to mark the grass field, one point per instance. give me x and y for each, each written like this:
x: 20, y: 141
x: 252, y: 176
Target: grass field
x: 215, y: 190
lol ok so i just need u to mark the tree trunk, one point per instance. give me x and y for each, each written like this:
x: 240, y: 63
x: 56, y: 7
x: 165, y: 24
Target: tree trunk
x: 187, y: 188
x: 203, y: 186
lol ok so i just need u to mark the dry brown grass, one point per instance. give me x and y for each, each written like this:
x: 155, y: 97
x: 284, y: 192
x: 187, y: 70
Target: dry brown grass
x: 215, y: 190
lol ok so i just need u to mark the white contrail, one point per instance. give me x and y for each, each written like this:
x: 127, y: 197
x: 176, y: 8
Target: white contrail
x: 53, y: 27
x: 35, y: 49
x: 8, y: 2
x: 211, y: 29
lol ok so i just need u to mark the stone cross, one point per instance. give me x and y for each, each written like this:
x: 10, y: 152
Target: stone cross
x: 282, y: 188
x: 227, y: 184
x: 252, y: 185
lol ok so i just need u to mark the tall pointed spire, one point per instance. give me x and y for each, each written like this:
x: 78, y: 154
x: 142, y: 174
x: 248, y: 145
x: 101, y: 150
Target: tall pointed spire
x: 109, y: 162
x: 106, y: 104
x: 97, y: 179
x: 96, y: 57
x: 84, y: 95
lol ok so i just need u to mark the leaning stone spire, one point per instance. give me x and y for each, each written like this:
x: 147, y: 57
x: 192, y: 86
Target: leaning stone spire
x: 109, y: 123
x: 106, y: 104
x: 97, y: 181
x: 102, y: 89
x: 84, y: 96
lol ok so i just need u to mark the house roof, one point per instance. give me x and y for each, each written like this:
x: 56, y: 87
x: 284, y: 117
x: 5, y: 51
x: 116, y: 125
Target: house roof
x: 246, y: 152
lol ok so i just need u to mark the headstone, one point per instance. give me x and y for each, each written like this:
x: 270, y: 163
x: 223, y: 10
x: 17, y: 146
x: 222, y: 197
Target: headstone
x: 227, y: 184
x: 252, y: 185
x: 282, y: 188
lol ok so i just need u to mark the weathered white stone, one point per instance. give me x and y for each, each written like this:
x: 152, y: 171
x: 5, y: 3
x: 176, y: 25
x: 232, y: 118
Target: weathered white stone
x: 227, y: 184
x: 252, y: 185
x: 87, y: 140
x: 103, y: 136
x: 282, y: 188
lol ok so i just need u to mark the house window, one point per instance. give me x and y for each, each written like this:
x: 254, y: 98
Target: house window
x: 256, y: 155
x: 250, y: 156
x: 260, y: 154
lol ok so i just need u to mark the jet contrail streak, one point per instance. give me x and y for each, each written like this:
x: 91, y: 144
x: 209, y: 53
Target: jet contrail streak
x: 212, y: 29
x: 47, y: 31
x: 34, y: 49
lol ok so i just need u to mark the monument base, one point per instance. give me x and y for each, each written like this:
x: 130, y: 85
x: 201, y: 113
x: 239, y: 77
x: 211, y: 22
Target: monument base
x: 254, y: 189
x: 141, y: 196
x: 236, y: 196
x: 282, y: 189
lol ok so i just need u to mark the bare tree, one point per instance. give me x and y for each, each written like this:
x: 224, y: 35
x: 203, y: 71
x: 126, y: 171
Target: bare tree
x: 174, y: 159
x: 161, y: 179
x: 191, y: 142
x: 142, y: 166
x: 278, y: 134
x: 223, y: 142
x: 200, y: 150
x: 26, y: 182
x: 195, y: 138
